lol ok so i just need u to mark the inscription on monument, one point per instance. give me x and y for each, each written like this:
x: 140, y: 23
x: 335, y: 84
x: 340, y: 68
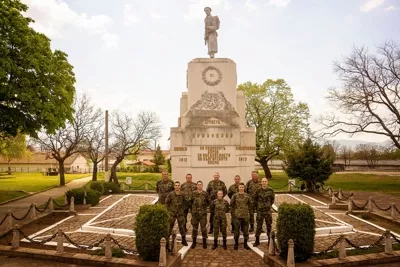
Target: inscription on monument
x: 180, y: 148
x: 213, y: 155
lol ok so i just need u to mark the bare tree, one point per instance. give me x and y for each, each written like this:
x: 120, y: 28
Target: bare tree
x: 369, y: 153
x: 370, y: 96
x: 346, y: 154
x: 132, y: 135
x: 94, y: 142
x: 69, y: 140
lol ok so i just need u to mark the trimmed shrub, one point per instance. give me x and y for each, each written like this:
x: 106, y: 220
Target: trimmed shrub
x: 92, y: 196
x: 115, y: 252
x: 98, y: 186
x: 111, y: 188
x: 151, y: 225
x: 297, y: 222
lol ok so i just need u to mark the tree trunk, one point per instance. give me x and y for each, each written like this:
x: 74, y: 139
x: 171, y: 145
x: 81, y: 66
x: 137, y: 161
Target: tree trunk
x: 9, y: 167
x: 61, y: 172
x: 113, y: 175
x: 94, y: 174
x: 310, y: 186
x: 266, y: 169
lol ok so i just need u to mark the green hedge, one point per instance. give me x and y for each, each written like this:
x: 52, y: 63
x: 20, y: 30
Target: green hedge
x: 151, y: 225
x: 297, y: 222
x: 111, y: 188
x: 98, y: 186
x: 92, y: 196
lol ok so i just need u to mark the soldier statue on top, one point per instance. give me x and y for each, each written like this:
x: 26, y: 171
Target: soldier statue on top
x: 210, y: 33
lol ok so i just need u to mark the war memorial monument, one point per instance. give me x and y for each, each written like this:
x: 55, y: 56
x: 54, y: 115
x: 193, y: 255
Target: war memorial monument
x: 212, y: 133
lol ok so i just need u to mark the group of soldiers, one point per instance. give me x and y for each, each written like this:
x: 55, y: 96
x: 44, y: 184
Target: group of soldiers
x: 245, y: 200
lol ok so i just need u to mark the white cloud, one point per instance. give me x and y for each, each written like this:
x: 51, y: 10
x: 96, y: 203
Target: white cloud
x: 371, y: 4
x: 390, y: 8
x: 157, y: 16
x: 278, y: 3
x: 130, y: 16
x: 249, y: 5
x: 53, y: 16
x: 110, y: 40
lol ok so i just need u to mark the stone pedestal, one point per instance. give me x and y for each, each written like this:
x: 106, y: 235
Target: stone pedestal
x: 212, y: 133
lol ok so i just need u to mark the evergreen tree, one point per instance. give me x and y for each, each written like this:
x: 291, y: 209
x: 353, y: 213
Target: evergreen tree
x: 309, y: 163
x: 158, y: 159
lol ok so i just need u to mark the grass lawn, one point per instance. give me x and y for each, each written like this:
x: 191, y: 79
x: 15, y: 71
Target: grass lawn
x: 365, y: 182
x: 137, y: 178
x: 7, y: 195
x: 33, y: 182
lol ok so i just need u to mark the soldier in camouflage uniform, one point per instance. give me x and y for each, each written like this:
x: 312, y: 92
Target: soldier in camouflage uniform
x: 241, y: 204
x: 233, y: 189
x: 212, y: 188
x: 174, y: 203
x: 187, y: 188
x: 263, y: 200
x: 164, y: 187
x: 219, y: 207
x: 200, y: 202
x: 251, y: 187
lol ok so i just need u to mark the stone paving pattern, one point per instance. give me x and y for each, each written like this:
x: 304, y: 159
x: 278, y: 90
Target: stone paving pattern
x: 127, y: 206
x: 70, y: 225
x: 200, y: 257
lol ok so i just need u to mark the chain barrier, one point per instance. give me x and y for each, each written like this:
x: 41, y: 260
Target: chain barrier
x: 141, y: 186
x: 326, y: 190
x: 45, y: 208
x: 344, y: 198
x: 123, y: 248
x: 58, y: 205
x: 398, y: 211
x: 382, y: 209
x: 370, y: 246
x: 359, y: 207
x: 395, y: 238
x: 6, y: 234
x: 83, y: 246
x: 42, y: 242
x: 330, y: 247
x: 26, y: 215
x: 4, y: 219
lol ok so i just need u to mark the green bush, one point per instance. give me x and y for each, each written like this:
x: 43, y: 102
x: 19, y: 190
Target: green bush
x: 297, y: 222
x: 111, y: 188
x: 92, y: 196
x: 151, y: 225
x: 116, y: 252
x: 98, y: 186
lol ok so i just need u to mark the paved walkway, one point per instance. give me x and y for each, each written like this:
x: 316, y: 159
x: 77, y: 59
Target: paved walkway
x: 21, y: 205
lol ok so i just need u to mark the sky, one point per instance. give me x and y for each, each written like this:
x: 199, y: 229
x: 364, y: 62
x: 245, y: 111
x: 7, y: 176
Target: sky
x: 132, y: 55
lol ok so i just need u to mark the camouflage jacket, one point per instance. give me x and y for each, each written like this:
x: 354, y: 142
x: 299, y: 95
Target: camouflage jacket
x: 187, y: 190
x: 241, y: 205
x: 200, y: 202
x: 219, y: 207
x: 213, y: 187
x: 263, y: 199
x: 251, y: 187
x: 174, y: 202
x: 233, y: 189
x: 163, y: 189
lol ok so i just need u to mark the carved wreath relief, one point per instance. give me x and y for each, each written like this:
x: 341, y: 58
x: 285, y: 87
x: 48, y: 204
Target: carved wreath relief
x: 211, y: 76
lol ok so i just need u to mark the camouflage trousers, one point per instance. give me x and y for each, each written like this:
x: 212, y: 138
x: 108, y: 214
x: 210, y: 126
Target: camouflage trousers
x: 181, y: 223
x: 220, y: 224
x: 198, y: 218
x: 251, y: 215
x: 233, y: 218
x: 241, y: 224
x: 261, y: 217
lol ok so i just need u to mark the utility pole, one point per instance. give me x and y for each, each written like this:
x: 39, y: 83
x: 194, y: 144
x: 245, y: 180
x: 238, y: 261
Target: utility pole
x: 106, y: 174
